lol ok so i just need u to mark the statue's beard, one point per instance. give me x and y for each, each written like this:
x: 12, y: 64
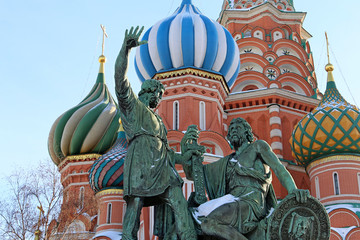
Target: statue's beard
x: 236, y: 140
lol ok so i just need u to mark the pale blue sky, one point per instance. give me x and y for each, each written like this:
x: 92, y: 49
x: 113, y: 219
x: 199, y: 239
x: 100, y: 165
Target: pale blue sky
x: 50, y: 50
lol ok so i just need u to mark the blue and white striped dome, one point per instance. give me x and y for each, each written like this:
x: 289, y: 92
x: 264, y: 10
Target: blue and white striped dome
x: 188, y: 39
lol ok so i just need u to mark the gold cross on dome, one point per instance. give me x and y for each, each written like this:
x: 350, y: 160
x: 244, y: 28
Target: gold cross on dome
x: 104, y: 35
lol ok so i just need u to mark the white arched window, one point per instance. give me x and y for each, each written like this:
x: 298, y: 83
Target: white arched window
x: 108, y: 216
x: 202, y: 116
x: 259, y: 34
x: 336, y: 184
x: 81, y: 197
x: 176, y: 117
x: 277, y: 35
x: 317, y: 188
x: 247, y: 34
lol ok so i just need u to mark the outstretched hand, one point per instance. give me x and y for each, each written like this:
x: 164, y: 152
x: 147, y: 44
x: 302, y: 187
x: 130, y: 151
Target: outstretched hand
x: 301, y: 195
x: 132, y: 37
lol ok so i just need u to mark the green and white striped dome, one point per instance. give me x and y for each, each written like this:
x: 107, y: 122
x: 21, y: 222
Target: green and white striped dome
x: 90, y: 127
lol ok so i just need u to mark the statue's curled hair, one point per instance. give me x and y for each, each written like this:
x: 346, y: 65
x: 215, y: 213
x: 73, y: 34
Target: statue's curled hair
x: 245, y: 125
x: 151, y: 85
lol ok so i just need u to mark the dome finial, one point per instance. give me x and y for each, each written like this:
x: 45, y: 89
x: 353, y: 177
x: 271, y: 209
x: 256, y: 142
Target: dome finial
x: 329, y: 67
x: 102, y: 58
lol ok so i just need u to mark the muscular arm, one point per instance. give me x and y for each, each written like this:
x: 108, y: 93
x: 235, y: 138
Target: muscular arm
x: 124, y: 92
x: 121, y: 65
x: 280, y: 171
x: 274, y: 163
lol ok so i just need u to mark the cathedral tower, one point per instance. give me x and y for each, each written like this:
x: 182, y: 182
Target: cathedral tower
x: 77, y: 138
x: 327, y: 142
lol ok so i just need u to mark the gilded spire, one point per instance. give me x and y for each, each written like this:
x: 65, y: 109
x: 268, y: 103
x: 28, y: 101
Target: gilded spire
x: 331, y: 95
x: 102, y: 58
x: 329, y: 67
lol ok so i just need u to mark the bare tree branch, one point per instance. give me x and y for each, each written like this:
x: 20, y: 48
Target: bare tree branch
x: 27, y: 189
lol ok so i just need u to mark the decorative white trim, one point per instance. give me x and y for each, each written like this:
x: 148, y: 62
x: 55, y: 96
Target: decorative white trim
x: 297, y: 112
x: 151, y: 220
x: 275, y: 133
x: 106, y: 224
x: 317, y: 172
x: 342, y: 199
x: 273, y: 85
x: 296, y: 87
x: 76, y: 164
x: 98, y: 218
x: 248, y: 111
x: 277, y: 146
x: 76, y: 184
x: 112, y: 201
x: 239, y: 87
x: 274, y: 108
x: 337, y: 160
x: 233, y: 14
x: 233, y: 96
x: 297, y: 168
x: 275, y: 120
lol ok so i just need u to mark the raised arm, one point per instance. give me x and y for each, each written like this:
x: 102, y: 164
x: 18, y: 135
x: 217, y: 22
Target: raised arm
x: 131, y: 40
x: 280, y: 171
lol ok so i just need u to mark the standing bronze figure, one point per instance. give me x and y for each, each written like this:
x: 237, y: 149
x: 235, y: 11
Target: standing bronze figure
x: 150, y: 177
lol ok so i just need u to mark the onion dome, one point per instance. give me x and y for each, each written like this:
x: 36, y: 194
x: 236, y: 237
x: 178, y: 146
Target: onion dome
x: 188, y: 39
x: 107, y: 170
x: 89, y: 127
x: 332, y: 128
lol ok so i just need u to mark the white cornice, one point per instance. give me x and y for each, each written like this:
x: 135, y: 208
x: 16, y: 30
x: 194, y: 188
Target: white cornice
x: 244, y: 110
x: 76, y: 184
x: 296, y: 168
x: 341, y: 199
x: 71, y: 164
x: 293, y: 111
x: 216, y: 90
x: 270, y: 92
x: 305, y: 34
x: 286, y: 17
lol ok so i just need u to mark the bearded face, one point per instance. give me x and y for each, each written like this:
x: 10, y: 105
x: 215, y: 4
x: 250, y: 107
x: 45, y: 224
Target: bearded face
x: 237, y: 135
x: 154, y: 98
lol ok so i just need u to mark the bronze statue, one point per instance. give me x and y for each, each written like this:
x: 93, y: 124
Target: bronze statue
x: 243, y: 182
x: 150, y: 177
